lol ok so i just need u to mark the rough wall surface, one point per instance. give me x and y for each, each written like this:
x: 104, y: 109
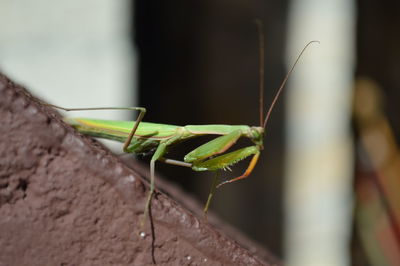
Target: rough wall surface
x: 65, y: 200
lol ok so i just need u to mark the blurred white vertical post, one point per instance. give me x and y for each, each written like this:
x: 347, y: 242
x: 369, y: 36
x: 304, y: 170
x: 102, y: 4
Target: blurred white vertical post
x: 71, y: 53
x: 319, y: 176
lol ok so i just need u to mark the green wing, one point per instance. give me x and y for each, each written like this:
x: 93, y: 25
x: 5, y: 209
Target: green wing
x: 147, y: 135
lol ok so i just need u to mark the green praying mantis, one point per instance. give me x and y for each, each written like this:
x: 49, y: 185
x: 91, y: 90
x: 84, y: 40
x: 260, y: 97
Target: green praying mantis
x: 142, y: 137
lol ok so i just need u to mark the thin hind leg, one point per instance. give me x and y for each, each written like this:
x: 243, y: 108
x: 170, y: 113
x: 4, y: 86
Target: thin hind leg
x: 161, y: 149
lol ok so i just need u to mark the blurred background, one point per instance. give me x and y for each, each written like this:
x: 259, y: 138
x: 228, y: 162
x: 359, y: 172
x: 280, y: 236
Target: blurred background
x: 325, y: 190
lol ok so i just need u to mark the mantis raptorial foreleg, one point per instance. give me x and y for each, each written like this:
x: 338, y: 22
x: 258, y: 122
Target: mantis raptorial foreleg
x: 218, y: 146
x: 248, y: 171
x: 226, y: 160
x: 213, y: 147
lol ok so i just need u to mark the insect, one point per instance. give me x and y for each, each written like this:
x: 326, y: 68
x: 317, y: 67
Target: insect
x: 142, y: 137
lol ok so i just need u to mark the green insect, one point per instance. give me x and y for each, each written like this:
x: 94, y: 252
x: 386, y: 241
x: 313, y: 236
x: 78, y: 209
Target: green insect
x: 143, y: 137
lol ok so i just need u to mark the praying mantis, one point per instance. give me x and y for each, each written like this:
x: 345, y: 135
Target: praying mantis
x: 142, y: 137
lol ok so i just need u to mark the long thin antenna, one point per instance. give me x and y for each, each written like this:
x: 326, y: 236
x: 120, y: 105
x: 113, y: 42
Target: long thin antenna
x: 284, y: 82
x: 262, y: 67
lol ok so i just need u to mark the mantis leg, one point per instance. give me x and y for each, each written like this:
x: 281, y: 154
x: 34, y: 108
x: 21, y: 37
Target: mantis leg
x: 213, y: 147
x: 248, y: 171
x: 212, y: 191
x: 142, y: 112
x: 161, y: 149
x: 175, y: 162
x: 226, y: 160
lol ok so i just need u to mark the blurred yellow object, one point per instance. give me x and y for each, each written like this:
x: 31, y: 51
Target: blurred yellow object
x: 377, y: 177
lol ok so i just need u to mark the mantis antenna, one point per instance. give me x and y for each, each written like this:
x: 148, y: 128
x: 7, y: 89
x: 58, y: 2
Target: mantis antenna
x: 271, y: 107
x: 262, y: 67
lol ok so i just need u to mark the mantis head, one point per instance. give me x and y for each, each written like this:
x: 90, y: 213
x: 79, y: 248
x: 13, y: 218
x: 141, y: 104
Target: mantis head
x: 257, y: 136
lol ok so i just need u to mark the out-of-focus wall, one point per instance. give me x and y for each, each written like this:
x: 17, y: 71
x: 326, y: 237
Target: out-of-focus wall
x: 70, y: 53
x: 319, y: 146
